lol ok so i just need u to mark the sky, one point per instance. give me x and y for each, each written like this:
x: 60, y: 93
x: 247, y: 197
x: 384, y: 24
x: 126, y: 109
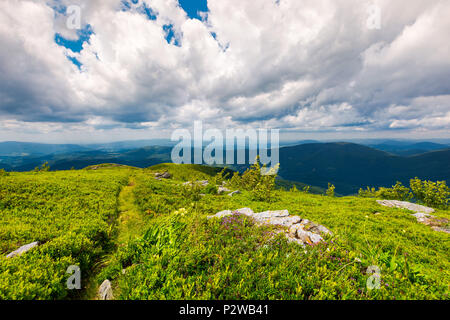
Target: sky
x: 140, y: 69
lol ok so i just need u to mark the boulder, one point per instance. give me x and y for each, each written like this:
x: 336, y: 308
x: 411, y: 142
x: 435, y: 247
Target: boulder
x: 234, y: 193
x: 203, y: 183
x: 164, y: 175
x: 296, y: 229
x: 405, y: 205
x: 437, y: 224
x: 221, y: 189
x: 282, y: 221
x: 317, y: 228
x: 247, y: 211
x: 270, y: 214
x: 22, y: 250
x: 221, y: 214
x: 105, y: 291
x: 441, y: 229
x: 308, y: 237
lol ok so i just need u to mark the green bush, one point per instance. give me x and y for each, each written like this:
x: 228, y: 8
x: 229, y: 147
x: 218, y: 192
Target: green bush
x: 260, y: 181
x: 397, y: 192
x: 330, y: 191
x: 433, y: 194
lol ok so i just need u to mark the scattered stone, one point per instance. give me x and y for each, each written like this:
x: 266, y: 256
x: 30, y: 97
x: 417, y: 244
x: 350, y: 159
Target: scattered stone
x: 221, y: 214
x: 22, y: 250
x: 105, y: 291
x: 271, y: 214
x: 246, y: 211
x: 298, y: 230
x: 317, y: 228
x: 422, y: 214
x: 234, y: 193
x: 164, y: 175
x: 405, y: 205
x: 282, y: 221
x: 441, y: 229
x: 203, y: 183
x: 308, y: 237
x: 222, y: 189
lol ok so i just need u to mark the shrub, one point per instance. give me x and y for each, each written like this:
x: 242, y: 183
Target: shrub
x: 210, y: 189
x: 330, y: 190
x: 397, y: 192
x: 433, y: 194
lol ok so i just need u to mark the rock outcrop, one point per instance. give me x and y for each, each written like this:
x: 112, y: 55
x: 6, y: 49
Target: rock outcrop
x: 222, y: 189
x: 296, y: 229
x: 22, y: 250
x: 202, y: 183
x: 163, y: 175
x: 422, y: 214
x: 405, y: 205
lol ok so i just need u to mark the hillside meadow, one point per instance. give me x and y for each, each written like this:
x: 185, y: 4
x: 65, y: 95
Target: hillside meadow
x: 152, y: 239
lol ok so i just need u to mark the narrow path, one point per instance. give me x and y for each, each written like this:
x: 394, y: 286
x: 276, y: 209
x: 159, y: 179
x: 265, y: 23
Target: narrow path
x: 130, y: 224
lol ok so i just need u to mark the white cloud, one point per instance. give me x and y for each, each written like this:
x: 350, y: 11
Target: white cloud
x: 309, y: 65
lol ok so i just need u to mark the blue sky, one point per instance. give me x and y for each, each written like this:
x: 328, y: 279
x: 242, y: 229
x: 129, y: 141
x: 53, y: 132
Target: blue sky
x: 143, y: 68
x: 193, y: 7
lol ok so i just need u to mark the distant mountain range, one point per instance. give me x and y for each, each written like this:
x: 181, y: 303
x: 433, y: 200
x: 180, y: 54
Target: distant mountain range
x: 348, y: 166
x: 408, y: 149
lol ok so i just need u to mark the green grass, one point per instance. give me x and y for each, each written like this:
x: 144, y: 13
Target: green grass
x: 69, y: 212
x: 159, y: 244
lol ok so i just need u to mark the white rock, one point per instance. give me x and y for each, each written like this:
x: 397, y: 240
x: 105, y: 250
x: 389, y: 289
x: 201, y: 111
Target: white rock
x: 420, y: 215
x: 317, y: 228
x: 270, y: 214
x: 234, y: 193
x: 282, y: 221
x: 293, y: 229
x: 308, y: 237
x: 23, y: 249
x: 221, y: 189
x: 105, y: 291
x: 221, y: 214
x: 295, y: 240
x: 405, y: 205
x: 247, y: 211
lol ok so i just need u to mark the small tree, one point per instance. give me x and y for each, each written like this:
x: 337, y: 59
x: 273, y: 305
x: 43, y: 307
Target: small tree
x: 45, y: 167
x: 433, y: 194
x: 330, y: 190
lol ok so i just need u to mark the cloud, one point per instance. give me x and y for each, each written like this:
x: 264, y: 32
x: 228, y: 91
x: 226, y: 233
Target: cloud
x: 308, y: 66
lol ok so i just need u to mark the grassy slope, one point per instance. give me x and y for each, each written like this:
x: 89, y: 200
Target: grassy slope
x: 413, y: 258
x: 184, y: 255
x: 70, y: 213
